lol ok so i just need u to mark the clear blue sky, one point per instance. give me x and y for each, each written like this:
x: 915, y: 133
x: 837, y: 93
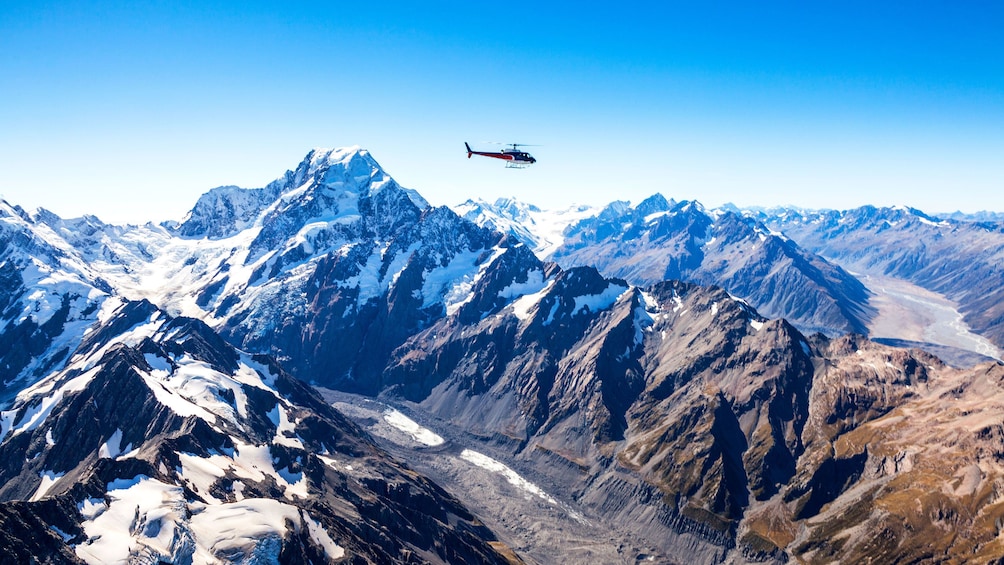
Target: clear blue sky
x: 131, y: 110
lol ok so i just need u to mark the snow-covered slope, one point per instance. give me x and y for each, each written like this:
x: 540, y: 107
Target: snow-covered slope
x: 161, y: 443
x: 49, y: 296
x: 542, y: 230
x: 329, y: 266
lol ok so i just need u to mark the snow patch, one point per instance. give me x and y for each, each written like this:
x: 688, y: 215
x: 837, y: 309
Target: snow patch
x: 201, y: 473
x: 644, y: 316
x: 91, y: 508
x: 521, y: 306
x: 113, y: 447
x: 320, y: 537
x: 462, y: 291
x: 49, y: 478
x: 655, y: 216
x: 177, y: 403
x: 66, y: 537
x: 451, y: 285
x: 36, y: 415
x: 511, y: 476
x: 255, y: 374
x: 601, y: 301
x: 285, y: 429
x: 6, y: 422
x: 534, y: 284
x: 420, y: 434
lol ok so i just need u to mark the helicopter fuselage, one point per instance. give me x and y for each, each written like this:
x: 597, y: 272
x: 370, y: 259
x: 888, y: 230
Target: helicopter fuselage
x: 514, y: 155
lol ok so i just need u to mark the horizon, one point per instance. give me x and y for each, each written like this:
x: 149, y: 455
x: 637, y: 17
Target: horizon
x: 131, y: 112
x: 495, y: 200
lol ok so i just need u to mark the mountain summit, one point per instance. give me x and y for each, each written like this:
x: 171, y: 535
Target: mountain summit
x: 327, y: 185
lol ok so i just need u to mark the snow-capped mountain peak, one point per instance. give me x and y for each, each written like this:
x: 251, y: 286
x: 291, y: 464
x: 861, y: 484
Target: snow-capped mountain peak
x: 327, y: 182
x: 347, y: 166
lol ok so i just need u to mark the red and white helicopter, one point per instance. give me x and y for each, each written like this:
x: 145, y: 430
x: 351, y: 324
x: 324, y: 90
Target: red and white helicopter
x: 515, y: 158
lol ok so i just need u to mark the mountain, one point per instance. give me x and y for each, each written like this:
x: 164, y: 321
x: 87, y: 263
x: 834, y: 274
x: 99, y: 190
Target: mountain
x: 958, y: 259
x: 158, y: 442
x: 329, y: 267
x: 663, y: 239
x: 666, y: 419
x: 678, y: 412
x: 981, y: 216
x: 48, y: 297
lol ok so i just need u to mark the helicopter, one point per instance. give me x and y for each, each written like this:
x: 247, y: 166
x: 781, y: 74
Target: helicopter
x: 514, y: 158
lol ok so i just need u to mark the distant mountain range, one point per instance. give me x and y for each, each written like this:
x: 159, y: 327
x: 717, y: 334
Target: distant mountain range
x: 662, y: 239
x: 656, y: 369
x: 960, y: 259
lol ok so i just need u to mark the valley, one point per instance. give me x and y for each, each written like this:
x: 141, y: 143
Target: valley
x: 541, y: 525
x: 909, y: 313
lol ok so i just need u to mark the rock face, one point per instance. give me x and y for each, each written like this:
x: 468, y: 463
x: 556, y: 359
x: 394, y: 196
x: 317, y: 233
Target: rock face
x: 898, y: 446
x: 679, y: 410
x: 673, y: 407
x: 160, y: 442
x: 960, y: 259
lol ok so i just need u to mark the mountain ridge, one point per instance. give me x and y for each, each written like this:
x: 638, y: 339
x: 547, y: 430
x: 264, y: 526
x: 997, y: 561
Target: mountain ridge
x: 192, y: 432
x: 662, y: 239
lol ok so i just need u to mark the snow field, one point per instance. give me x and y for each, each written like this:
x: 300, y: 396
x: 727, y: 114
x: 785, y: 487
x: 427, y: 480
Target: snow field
x: 142, y: 514
x: 146, y: 516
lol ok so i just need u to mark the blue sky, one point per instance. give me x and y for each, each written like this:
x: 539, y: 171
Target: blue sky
x: 131, y: 110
